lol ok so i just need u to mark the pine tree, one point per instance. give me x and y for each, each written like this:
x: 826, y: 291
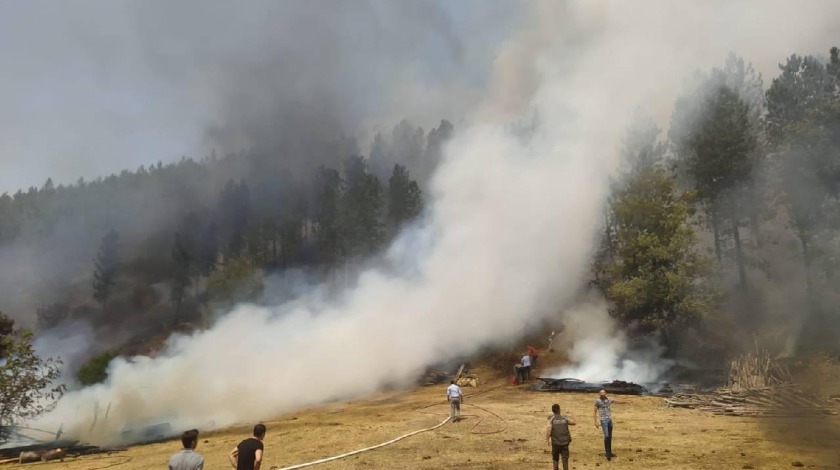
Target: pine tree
x: 803, y: 122
x: 405, y: 200
x: 328, y: 196
x: 106, y: 264
x: 183, y: 262
x: 715, y: 140
x: 361, y: 216
x: 656, y: 281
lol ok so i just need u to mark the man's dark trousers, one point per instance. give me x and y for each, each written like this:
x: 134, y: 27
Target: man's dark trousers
x: 607, y: 427
x: 556, y: 452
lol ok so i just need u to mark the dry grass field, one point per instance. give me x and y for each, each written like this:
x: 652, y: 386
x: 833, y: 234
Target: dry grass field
x: 503, y: 429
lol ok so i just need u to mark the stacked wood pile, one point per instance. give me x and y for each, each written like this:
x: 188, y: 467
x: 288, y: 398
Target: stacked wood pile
x: 48, y: 451
x: 437, y: 377
x: 778, y: 401
x: 758, y: 370
x: 468, y: 380
x: 757, y: 386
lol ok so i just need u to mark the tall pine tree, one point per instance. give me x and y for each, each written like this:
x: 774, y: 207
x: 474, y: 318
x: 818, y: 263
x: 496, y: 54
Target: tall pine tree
x: 106, y: 264
x: 405, y: 200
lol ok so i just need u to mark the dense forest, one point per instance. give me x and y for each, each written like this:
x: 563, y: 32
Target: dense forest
x: 726, y: 229
x: 167, y: 246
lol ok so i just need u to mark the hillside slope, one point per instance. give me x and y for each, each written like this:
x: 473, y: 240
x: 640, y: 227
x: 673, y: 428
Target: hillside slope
x: 503, y: 429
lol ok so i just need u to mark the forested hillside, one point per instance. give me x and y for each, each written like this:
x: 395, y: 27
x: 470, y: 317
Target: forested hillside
x: 169, y: 245
x: 727, y: 227
x: 721, y: 231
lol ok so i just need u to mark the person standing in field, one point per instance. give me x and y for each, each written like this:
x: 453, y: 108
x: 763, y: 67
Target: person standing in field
x: 455, y: 398
x: 187, y: 459
x: 602, y: 414
x: 558, y: 436
x: 248, y: 454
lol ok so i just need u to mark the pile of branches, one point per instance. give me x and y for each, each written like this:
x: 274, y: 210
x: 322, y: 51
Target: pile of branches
x: 778, y: 401
x: 437, y: 377
x: 757, y: 386
x: 68, y: 449
x: 759, y: 370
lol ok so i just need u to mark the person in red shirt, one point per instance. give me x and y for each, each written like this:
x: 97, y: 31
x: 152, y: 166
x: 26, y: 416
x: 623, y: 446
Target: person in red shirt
x: 532, y: 351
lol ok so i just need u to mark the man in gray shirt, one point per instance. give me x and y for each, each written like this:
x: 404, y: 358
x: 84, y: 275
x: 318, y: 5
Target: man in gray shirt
x: 187, y: 459
x: 603, y: 419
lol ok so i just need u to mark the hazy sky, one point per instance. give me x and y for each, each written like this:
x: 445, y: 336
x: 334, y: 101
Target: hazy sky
x: 93, y: 87
x: 88, y: 88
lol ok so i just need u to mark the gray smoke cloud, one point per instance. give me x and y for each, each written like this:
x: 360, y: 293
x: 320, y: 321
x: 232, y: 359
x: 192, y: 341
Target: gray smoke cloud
x: 512, y: 221
x: 89, y: 88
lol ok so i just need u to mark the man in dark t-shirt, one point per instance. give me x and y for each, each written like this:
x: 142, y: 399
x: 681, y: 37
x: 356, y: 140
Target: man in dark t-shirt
x: 248, y: 454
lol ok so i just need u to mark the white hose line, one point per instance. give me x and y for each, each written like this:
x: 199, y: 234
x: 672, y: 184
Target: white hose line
x: 359, y: 451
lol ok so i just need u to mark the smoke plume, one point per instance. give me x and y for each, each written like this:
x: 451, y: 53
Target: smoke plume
x: 599, y: 351
x: 507, y: 237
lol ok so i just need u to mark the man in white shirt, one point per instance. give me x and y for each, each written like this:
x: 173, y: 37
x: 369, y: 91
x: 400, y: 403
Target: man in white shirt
x: 525, y: 369
x: 455, y: 397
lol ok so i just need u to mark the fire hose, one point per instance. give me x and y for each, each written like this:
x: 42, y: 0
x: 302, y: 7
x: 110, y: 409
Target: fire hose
x: 359, y: 451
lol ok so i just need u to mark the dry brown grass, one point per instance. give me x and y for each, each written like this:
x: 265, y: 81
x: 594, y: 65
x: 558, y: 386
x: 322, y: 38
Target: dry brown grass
x: 647, y: 436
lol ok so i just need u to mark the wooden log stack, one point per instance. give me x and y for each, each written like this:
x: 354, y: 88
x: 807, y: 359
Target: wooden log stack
x: 757, y: 386
x: 438, y: 377
x: 778, y: 401
x: 758, y: 370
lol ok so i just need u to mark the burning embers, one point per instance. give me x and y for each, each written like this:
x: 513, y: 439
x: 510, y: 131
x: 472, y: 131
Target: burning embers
x: 616, y: 387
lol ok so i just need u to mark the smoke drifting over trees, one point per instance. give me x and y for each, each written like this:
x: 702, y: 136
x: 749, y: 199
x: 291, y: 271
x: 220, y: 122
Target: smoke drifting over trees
x: 442, y: 178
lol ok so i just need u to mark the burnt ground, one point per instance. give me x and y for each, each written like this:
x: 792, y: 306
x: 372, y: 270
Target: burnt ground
x: 503, y: 429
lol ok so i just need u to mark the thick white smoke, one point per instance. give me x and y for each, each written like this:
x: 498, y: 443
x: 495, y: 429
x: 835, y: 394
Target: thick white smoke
x: 508, y: 236
x: 598, y: 349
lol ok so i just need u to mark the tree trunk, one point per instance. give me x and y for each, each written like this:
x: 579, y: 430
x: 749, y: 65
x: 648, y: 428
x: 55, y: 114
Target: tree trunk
x: 756, y: 231
x: 716, y: 230
x: 669, y: 341
x: 806, y: 255
x: 739, y: 254
x: 274, y: 251
x: 284, y: 252
x: 607, y: 233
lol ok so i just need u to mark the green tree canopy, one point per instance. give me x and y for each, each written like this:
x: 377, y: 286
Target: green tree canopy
x: 27, y: 381
x: 96, y: 369
x: 656, y: 280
